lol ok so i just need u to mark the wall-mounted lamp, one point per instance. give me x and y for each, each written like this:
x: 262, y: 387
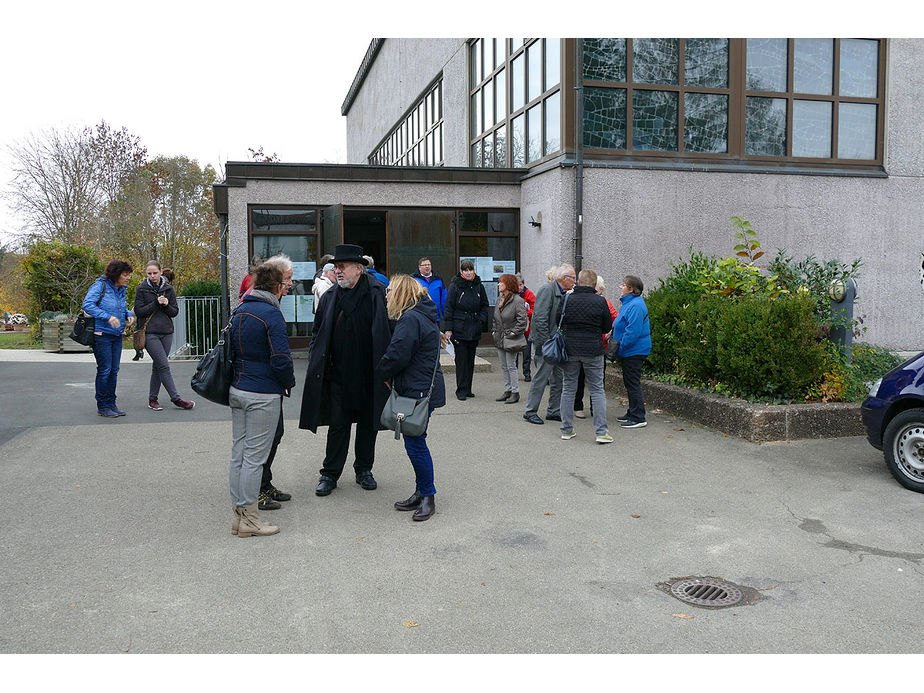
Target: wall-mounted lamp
x: 537, y: 222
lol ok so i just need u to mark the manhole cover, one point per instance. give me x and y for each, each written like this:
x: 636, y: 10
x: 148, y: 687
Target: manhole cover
x: 706, y: 592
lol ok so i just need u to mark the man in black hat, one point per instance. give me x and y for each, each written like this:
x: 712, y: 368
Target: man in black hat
x: 351, y: 333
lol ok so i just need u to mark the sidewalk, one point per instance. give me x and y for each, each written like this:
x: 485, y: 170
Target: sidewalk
x: 120, y: 538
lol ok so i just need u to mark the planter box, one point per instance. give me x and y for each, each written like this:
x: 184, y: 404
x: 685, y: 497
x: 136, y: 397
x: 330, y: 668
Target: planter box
x: 55, y: 337
x: 760, y: 423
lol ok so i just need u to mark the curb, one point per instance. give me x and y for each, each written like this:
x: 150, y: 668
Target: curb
x: 759, y: 423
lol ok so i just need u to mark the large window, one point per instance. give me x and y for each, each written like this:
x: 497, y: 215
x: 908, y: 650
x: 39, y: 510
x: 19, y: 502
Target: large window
x: 293, y: 232
x: 515, y: 101
x: 417, y: 139
x: 801, y: 100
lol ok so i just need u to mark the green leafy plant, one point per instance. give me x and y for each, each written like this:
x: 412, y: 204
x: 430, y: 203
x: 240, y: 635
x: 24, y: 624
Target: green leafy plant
x: 750, y: 247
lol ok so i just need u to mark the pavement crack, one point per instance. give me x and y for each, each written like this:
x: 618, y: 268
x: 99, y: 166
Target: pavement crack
x: 582, y: 479
x: 813, y: 526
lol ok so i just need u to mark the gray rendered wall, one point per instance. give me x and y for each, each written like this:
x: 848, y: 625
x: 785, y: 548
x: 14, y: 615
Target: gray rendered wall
x: 638, y: 221
x: 325, y: 193
x: 402, y: 70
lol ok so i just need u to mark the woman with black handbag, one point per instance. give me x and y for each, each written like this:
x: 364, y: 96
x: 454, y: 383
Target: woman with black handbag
x: 155, y: 307
x: 262, y: 374
x: 510, y: 323
x: 410, y: 366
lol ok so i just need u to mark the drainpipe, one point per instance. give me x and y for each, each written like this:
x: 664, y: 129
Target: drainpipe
x: 579, y: 152
x: 223, y: 262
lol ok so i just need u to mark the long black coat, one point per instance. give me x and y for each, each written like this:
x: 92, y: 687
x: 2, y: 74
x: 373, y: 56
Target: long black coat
x: 316, y: 396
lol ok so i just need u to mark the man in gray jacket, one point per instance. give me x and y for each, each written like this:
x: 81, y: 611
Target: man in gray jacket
x: 548, y: 300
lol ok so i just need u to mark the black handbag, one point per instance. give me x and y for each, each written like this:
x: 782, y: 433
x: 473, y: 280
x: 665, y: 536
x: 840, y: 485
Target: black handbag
x: 554, y: 349
x: 215, y: 371
x: 84, y: 326
x: 408, y: 415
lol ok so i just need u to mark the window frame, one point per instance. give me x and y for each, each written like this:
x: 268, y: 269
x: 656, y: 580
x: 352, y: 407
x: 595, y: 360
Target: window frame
x: 408, y: 142
x: 488, y: 70
x: 737, y: 102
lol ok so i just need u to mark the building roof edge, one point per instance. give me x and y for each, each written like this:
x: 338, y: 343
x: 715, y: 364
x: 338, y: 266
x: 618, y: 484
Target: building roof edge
x: 373, y: 50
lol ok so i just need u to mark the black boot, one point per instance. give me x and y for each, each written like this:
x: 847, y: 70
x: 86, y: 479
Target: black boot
x: 513, y: 399
x: 503, y: 397
x: 426, y: 509
x: 411, y: 503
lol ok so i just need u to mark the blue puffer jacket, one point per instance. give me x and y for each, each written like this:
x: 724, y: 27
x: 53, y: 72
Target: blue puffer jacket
x: 631, y: 328
x: 435, y: 287
x: 415, y: 345
x: 111, y: 300
x: 262, y: 360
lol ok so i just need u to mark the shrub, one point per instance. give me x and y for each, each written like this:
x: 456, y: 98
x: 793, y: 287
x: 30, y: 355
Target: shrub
x: 201, y: 288
x: 58, y: 275
x: 813, y: 276
x: 767, y: 348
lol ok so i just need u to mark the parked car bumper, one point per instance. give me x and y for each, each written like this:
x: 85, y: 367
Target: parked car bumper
x: 873, y: 410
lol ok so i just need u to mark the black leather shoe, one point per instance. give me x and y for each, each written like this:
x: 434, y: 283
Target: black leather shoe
x: 533, y: 418
x: 552, y: 417
x: 411, y: 503
x: 469, y: 394
x: 461, y: 397
x: 426, y: 509
x: 325, y: 486
x: 503, y: 397
x: 528, y: 378
x: 365, y: 480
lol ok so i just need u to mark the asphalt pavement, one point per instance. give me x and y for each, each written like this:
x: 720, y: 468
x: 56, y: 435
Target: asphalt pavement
x: 118, y: 539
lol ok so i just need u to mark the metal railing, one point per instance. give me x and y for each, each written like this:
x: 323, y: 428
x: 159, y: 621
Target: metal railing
x: 196, y: 327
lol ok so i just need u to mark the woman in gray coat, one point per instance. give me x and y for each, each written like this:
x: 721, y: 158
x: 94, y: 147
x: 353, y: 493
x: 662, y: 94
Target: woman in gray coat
x: 510, y: 323
x: 155, y: 308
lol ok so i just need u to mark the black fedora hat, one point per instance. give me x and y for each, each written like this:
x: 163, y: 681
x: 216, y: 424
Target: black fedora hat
x: 347, y: 252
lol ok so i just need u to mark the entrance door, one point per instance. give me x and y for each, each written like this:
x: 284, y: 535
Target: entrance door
x: 368, y: 228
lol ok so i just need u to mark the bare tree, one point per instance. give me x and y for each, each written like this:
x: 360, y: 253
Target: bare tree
x: 56, y: 184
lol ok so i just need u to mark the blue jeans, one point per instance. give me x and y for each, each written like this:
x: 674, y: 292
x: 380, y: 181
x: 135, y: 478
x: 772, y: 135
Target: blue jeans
x: 107, y: 348
x: 419, y: 454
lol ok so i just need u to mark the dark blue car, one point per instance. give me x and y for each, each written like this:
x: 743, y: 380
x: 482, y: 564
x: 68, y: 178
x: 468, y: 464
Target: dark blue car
x: 894, y: 418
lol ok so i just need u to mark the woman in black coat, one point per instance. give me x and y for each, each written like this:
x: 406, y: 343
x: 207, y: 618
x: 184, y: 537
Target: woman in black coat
x: 155, y: 307
x: 411, y: 366
x: 466, y: 312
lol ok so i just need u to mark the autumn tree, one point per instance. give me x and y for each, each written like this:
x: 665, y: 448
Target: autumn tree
x: 14, y: 297
x: 58, y: 275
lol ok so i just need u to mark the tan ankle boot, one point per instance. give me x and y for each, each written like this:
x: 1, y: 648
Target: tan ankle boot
x: 251, y: 524
x: 236, y: 522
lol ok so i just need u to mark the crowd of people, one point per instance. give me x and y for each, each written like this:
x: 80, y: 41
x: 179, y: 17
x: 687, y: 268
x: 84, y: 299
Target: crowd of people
x: 373, y: 335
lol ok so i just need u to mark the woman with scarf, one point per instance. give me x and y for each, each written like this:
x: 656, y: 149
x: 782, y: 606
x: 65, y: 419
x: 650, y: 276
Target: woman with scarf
x: 263, y: 373
x: 155, y: 308
x: 510, y: 323
x: 466, y: 313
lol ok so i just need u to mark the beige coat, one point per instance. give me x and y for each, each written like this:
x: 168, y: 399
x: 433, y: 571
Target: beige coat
x: 510, y: 320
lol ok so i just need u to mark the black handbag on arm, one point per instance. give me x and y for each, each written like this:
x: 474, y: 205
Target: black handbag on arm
x: 554, y: 349
x: 408, y: 415
x: 215, y: 371
x: 84, y: 326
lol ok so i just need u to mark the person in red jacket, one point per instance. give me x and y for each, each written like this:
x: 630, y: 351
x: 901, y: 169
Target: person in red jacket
x: 530, y: 299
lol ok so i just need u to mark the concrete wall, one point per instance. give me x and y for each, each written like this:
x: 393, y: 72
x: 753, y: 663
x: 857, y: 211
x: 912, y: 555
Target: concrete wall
x: 402, y: 70
x: 637, y: 221
x: 324, y: 193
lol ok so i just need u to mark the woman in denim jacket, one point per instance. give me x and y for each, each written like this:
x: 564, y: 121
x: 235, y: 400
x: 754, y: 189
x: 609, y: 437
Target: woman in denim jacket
x: 105, y: 303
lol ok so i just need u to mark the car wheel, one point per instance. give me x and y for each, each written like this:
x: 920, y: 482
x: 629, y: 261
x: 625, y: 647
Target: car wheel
x: 903, y: 444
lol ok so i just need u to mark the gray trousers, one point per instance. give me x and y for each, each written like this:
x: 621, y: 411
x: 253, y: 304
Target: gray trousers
x: 544, y: 373
x: 508, y: 364
x: 254, y: 417
x: 593, y: 379
x: 158, y: 346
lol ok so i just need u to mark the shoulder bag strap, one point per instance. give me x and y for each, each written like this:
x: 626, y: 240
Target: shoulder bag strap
x: 564, y: 303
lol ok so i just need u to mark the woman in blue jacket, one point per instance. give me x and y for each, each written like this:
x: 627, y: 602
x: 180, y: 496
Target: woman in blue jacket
x: 632, y: 331
x: 411, y: 364
x: 263, y: 373
x: 105, y: 303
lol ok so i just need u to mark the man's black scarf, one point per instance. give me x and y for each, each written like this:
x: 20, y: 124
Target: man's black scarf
x: 351, y: 344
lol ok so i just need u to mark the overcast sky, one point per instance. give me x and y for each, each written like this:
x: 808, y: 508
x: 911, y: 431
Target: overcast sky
x: 197, y: 79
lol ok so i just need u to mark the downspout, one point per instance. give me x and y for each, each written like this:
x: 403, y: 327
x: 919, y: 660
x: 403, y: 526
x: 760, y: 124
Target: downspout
x: 579, y: 155
x: 223, y: 261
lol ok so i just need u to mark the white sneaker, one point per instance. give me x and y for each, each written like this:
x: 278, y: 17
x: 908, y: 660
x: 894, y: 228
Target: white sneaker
x: 568, y: 436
